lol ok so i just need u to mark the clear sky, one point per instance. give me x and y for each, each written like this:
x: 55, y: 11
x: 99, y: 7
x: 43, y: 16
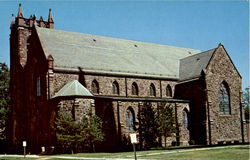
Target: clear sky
x: 198, y: 24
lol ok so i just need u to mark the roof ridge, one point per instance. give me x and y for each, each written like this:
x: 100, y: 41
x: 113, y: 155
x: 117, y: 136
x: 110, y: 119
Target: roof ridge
x: 198, y: 54
x: 115, y: 38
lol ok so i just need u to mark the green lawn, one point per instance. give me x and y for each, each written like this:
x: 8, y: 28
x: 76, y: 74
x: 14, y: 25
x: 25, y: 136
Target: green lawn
x: 240, y: 152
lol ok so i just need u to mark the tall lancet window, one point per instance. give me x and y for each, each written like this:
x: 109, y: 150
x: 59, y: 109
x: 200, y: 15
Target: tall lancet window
x: 184, y: 119
x: 135, y: 90
x: 130, y: 119
x: 224, y: 99
x: 168, y: 91
x: 152, y: 91
x: 95, y: 87
x: 38, y: 86
x: 115, y: 87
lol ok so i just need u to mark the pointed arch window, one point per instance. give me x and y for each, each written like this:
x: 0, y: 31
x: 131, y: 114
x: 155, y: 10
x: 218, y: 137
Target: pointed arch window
x: 130, y: 119
x: 152, y: 91
x: 95, y: 87
x: 115, y: 87
x: 224, y: 99
x: 135, y: 90
x: 184, y: 119
x: 168, y: 91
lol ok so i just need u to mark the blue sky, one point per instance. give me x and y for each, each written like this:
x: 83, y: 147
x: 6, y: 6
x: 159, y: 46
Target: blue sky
x: 198, y: 24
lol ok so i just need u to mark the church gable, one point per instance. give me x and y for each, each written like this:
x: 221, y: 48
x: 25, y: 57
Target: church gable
x: 221, y: 61
x: 223, y: 84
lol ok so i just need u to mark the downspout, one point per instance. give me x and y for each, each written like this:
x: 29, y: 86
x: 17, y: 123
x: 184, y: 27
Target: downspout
x: 119, y: 123
x: 126, y: 87
x: 241, y: 117
x: 177, y: 126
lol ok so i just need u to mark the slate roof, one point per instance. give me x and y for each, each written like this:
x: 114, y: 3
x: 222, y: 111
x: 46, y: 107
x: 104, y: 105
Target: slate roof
x: 111, y: 55
x: 192, y: 66
x: 73, y: 88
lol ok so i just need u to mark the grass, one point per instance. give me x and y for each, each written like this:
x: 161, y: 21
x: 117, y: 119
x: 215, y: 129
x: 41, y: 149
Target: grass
x: 239, y: 152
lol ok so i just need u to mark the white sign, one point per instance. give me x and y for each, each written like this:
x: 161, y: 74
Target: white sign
x: 133, y: 138
x: 24, y: 144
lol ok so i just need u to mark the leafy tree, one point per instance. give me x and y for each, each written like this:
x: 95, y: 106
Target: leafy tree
x: 246, y: 98
x: 4, y: 99
x: 165, y: 120
x: 92, y: 130
x: 73, y: 134
x: 148, y: 127
x: 68, y: 131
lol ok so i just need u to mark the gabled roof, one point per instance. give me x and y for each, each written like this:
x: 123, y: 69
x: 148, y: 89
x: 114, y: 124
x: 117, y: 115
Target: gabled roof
x: 111, y: 55
x: 73, y: 88
x: 192, y: 66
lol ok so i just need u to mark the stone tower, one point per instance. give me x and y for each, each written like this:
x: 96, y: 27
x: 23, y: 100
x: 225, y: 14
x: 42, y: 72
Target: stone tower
x: 22, y: 29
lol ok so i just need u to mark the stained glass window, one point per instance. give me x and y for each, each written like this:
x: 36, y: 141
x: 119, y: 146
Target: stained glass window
x: 224, y: 99
x: 152, y: 90
x: 135, y: 89
x: 115, y: 86
x: 130, y: 119
x: 184, y: 120
x: 95, y: 87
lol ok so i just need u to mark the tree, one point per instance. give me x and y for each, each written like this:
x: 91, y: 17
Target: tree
x: 148, y: 126
x: 92, y: 130
x: 68, y: 131
x: 74, y: 134
x: 4, y: 99
x: 165, y: 121
x: 246, y: 98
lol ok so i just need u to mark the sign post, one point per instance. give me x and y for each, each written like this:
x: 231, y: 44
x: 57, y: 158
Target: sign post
x: 24, y: 148
x: 133, y: 141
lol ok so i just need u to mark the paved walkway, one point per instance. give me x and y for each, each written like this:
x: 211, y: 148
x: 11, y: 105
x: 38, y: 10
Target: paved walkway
x: 140, y: 154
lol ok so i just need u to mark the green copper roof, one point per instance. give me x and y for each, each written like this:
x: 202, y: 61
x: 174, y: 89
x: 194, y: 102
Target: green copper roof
x: 73, y: 88
x: 111, y: 55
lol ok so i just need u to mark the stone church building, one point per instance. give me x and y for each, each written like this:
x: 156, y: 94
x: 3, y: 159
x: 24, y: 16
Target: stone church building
x: 54, y: 69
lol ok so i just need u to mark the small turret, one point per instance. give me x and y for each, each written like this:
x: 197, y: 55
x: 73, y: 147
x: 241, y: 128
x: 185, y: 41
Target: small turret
x: 20, y: 12
x: 41, y: 22
x: 22, y: 22
x: 34, y: 19
x: 50, y: 19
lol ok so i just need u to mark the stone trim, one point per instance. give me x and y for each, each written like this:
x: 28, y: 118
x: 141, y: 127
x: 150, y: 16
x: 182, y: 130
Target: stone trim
x: 116, y: 98
x: 105, y: 73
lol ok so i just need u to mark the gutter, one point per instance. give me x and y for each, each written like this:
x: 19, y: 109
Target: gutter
x: 113, y: 73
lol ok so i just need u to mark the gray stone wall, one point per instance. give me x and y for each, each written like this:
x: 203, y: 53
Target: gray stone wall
x: 105, y: 84
x: 78, y: 107
x: 224, y: 128
x: 60, y: 79
x: 125, y: 85
x: 118, y: 112
x: 164, y: 85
